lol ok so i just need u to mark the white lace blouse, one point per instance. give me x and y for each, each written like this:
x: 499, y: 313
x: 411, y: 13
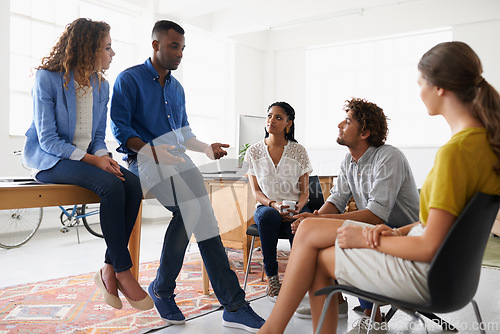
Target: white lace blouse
x: 280, y: 182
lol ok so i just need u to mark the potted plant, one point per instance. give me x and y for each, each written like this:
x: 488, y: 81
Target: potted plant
x: 242, y: 151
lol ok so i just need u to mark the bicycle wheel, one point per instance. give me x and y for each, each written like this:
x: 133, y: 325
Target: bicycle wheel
x: 17, y: 226
x: 91, y: 220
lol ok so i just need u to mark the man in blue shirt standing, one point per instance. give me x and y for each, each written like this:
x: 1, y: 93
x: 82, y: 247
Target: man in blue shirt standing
x: 150, y: 123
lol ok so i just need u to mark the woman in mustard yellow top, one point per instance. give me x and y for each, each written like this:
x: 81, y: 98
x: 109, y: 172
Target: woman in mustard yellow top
x: 451, y: 85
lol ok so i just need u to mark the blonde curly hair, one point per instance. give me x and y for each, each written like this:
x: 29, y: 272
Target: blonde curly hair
x: 78, y: 49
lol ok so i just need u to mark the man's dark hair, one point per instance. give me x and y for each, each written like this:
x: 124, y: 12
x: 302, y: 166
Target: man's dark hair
x: 369, y: 117
x: 164, y: 26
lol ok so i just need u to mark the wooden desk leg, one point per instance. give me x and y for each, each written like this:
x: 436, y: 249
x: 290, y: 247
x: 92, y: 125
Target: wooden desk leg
x: 246, y: 253
x: 204, y: 278
x: 134, y: 244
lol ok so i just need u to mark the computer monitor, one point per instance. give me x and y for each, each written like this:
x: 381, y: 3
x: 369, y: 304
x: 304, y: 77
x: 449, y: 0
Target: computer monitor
x: 252, y: 130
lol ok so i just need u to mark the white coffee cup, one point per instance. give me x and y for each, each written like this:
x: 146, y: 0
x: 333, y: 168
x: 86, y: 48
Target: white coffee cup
x: 290, y: 204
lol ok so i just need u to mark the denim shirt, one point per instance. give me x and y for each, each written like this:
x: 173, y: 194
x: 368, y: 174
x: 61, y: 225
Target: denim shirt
x: 380, y: 181
x: 141, y: 107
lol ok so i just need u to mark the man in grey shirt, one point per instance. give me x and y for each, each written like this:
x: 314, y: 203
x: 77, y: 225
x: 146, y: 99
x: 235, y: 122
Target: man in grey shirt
x: 377, y: 176
x: 380, y: 182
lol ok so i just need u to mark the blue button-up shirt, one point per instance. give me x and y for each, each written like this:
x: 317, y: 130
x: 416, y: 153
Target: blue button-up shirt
x: 141, y: 107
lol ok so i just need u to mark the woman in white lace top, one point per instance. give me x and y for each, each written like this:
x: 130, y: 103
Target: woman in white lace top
x: 278, y: 170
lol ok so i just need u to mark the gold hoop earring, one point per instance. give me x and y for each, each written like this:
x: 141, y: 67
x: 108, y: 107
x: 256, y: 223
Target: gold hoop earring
x: 287, y: 130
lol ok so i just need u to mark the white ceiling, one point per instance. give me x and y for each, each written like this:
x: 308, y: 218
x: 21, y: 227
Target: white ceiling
x: 231, y: 17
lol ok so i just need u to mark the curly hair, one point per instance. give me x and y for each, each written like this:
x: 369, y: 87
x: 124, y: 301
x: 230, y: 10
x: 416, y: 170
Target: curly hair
x: 78, y: 49
x: 369, y: 117
x: 456, y: 67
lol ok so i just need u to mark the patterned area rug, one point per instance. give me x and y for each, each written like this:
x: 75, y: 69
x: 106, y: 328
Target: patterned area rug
x: 74, y: 304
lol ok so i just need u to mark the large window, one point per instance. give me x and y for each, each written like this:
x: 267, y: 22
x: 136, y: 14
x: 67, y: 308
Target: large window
x: 36, y: 25
x: 206, y: 71
x: 384, y: 71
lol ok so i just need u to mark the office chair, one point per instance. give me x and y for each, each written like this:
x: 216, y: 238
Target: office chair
x: 454, y: 272
x: 316, y: 200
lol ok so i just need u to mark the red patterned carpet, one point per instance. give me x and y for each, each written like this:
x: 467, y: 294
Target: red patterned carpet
x: 74, y: 304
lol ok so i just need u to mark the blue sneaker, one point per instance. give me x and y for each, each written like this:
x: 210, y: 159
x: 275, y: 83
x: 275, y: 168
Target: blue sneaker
x: 244, y: 318
x: 166, y: 308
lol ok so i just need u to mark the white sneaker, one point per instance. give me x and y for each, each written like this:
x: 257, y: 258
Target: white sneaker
x: 363, y: 324
x: 305, y: 312
x: 343, y: 308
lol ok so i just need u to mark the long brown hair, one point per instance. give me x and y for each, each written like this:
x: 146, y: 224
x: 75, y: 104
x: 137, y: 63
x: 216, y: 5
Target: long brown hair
x: 456, y: 67
x: 78, y: 49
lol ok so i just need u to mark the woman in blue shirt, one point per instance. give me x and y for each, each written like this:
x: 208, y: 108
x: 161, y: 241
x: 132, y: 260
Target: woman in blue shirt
x: 65, y: 144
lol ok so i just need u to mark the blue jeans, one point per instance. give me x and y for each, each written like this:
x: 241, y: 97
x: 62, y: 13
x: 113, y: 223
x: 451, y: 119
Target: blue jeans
x: 270, y: 225
x: 120, y: 202
x: 181, y: 189
x: 365, y: 305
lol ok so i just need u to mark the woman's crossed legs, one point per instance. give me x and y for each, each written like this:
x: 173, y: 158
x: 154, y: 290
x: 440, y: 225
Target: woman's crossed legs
x: 311, y: 267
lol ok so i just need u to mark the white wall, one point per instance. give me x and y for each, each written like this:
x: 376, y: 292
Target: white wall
x: 10, y: 165
x: 249, y: 73
x: 271, y: 65
x: 474, y: 22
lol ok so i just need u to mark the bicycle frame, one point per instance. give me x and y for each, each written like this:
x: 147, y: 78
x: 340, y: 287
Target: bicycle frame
x: 74, y: 215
